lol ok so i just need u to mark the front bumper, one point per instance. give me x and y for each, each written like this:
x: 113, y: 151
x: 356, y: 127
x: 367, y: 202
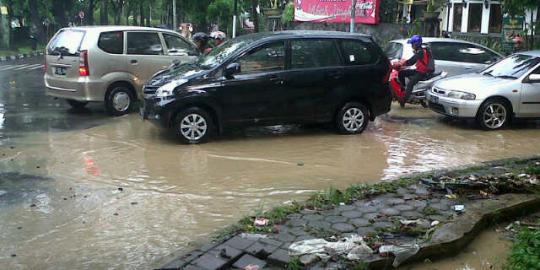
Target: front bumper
x: 453, y: 107
x: 157, y: 111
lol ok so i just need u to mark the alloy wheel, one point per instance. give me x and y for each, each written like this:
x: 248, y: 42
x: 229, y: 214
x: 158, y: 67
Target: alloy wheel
x: 494, y: 116
x: 353, y: 119
x: 193, y: 127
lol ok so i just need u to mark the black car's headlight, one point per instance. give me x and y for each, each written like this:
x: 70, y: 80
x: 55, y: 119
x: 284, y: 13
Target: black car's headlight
x: 168, y: 88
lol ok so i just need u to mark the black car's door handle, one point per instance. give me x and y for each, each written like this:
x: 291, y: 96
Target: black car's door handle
x: 335, y: 74
x: 276, y: 80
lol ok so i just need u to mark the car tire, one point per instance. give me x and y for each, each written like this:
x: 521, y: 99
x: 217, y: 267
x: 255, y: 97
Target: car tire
x: 493, y: 114
x: 76, y: 104
x: 352, y: 118
x: 119, y: 100
x: 193, y: 125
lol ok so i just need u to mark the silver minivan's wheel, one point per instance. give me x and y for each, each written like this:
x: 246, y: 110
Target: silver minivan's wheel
x: 493, y: 114
x: 352, y: 118
x: 76, y: 104
x: 193, y: 125
x: 119, y: 100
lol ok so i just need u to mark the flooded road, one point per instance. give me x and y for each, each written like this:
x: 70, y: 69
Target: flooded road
x: 79, y: 189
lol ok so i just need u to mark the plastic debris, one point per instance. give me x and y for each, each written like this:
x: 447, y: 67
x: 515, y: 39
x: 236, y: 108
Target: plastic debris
x: 252, y: 236
x: 459, y: 207
x: 261, y: 222
x: 435, y: 223
x: 451, y: 196
x: 401, y: 253
x: 354, y: 246
x: 409, y: 222
x: 252, y: 267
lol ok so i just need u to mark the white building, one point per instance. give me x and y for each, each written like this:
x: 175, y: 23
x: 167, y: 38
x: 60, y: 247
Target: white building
x: 475, y: 16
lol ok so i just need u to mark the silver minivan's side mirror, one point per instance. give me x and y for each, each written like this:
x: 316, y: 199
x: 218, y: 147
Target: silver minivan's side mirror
x: 534, y: 78
x: 231, y: 70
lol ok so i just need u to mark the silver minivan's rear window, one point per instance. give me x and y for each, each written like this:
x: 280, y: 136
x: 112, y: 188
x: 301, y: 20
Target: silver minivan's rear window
x: 67, y: 42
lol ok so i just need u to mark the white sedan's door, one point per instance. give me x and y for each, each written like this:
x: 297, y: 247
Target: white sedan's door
x: 530, y: 95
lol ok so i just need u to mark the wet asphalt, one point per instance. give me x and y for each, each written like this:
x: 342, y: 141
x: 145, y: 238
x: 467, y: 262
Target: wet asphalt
x: 80, y: 189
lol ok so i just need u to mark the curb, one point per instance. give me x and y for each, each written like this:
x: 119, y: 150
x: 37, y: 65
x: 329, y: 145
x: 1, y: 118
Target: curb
x: 448, y: 238
x: 20, y: 56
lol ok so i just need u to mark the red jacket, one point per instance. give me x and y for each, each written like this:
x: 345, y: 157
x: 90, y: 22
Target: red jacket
x: 425, y: 64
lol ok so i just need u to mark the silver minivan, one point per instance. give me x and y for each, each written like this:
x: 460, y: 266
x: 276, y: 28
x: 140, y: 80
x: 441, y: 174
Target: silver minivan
x: 110, y: 63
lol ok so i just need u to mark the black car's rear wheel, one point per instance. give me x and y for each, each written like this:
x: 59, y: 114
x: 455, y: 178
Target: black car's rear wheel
x: 352, y: 118
x: 493, y: 114
x: 193, y: 125
x: 76, y: 104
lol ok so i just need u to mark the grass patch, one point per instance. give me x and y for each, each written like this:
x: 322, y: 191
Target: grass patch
x: 525, y: 252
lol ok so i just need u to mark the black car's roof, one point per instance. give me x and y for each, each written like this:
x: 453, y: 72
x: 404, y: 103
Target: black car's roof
x: 301, y: 33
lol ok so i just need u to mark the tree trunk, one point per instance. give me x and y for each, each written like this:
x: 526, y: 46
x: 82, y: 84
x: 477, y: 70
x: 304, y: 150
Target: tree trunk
x: 59, y: 12
x: 255, y: 16
x: 532, y: 31
x: 104, y: 12
x: 90, y: 12
x: 35, y: 21
x: 141, y: 12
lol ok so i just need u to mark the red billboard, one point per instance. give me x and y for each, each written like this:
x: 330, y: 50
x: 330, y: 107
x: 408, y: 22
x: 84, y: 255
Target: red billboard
x: 336, y: 11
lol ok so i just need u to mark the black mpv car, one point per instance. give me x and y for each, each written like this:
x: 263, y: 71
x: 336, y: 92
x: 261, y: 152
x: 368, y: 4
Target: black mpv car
x: 273, y: 78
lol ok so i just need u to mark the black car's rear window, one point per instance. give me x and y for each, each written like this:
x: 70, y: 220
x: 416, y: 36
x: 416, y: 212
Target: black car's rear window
x: 67, y: 42
x: 357, y: 53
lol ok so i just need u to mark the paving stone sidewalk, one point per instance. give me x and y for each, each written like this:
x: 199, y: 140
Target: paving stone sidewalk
x: 417, y: 214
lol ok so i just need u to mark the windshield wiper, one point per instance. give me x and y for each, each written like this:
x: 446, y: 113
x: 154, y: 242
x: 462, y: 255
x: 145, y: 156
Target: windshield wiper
x: 506, y: 77
x: 488, y: 73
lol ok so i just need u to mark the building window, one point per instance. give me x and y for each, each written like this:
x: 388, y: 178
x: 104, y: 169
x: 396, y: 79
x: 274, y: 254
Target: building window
x: 458, y: 11
x: 475, y: 17
x: 495, y: 18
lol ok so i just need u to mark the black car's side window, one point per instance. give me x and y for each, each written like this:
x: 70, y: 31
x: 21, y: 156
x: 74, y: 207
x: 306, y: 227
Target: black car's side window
x: 357, y: 53
x: 314, y: 53
x: 270, y: 57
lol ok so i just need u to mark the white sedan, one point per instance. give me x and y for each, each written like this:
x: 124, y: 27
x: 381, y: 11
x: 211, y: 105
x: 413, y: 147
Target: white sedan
x: 506, y: 90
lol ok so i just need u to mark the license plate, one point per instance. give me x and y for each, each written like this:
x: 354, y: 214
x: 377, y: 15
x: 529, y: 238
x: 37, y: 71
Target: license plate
x: 434, y: 99
x: 60, y: 71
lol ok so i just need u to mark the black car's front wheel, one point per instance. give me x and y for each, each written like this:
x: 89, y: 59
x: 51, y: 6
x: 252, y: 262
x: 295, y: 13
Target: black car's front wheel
x: 493, y: 114
x: 193, y: 125
x: 352, y: 118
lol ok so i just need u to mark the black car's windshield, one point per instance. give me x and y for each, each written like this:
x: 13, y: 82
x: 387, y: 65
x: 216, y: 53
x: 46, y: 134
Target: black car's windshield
x: 512, y: 67
x: 222, y: 52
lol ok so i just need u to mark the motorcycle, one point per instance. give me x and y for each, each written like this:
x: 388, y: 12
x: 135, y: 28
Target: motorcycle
x: 418, y: 95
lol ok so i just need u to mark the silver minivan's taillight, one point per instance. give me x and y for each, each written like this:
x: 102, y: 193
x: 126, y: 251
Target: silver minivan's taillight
x: 83, y: 64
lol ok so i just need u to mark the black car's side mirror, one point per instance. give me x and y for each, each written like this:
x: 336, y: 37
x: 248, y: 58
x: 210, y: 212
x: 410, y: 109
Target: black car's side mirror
x: 231, y: 70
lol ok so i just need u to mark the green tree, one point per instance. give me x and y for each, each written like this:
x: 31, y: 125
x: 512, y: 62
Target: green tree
x: 518, y: 7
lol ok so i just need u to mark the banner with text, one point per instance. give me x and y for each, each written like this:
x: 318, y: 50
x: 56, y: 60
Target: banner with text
x: 336, y: 11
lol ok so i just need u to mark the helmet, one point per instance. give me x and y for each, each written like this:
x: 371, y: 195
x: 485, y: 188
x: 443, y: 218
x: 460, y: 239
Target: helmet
x: 218, y: 35
x: 415, y: 40
x: 200, y: 36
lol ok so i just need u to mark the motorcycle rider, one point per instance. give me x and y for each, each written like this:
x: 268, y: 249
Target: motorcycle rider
x: 201, y: 40
x: 425, y: 65
x: 218, y: 37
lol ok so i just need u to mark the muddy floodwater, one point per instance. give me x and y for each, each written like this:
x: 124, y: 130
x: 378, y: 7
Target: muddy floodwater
x: 81, y: 190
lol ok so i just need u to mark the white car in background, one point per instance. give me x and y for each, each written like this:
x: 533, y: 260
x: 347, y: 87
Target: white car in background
x: 451, y: 55
x: 506, y: 90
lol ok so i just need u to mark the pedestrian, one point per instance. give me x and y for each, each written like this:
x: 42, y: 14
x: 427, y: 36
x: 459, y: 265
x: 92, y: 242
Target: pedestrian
x: 422, y: 59
x: 201, y: 40
x: 33, y: 37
